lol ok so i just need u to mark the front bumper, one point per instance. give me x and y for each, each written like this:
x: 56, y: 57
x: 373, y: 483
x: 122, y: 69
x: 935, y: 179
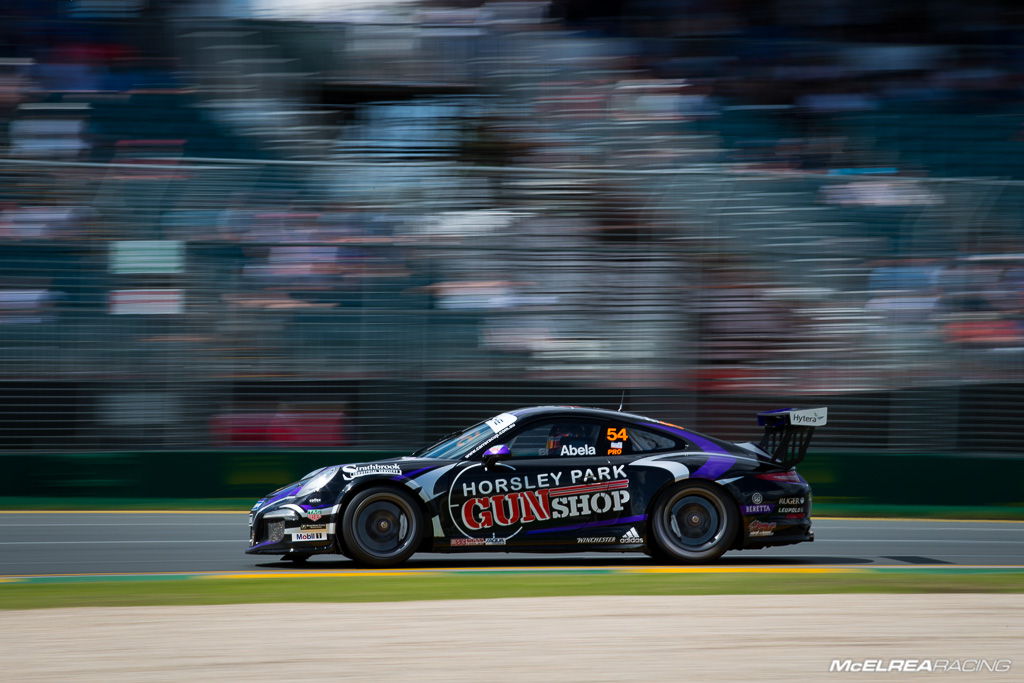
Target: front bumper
x: 291, y: 529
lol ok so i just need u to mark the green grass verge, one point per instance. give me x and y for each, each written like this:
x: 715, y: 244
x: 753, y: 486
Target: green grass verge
x: 467, y: 586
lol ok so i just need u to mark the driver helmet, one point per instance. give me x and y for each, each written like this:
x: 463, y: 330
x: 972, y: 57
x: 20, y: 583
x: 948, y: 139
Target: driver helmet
x: 564, y: 434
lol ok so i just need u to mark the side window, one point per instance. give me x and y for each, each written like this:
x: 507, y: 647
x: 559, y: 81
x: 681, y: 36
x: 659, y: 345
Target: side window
x: 556, y: 439
x: 645, y: 441
x: 630, y: 440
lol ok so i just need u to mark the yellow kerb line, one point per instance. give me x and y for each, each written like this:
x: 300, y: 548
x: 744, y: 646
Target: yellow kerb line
x: 740, y: 570
x: 436, y: 571
x: 298, y: 575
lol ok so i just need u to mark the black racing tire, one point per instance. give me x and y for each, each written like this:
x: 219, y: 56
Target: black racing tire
x: 382, y: 527
x: 692, y: 522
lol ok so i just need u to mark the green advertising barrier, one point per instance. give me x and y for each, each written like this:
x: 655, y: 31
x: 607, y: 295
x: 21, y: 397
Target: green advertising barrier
x: 167, y: 474
x: 916, y: 478
x: 866, y: 477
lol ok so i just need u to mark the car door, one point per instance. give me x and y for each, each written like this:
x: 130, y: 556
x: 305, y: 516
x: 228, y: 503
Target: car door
x: 549, y: 482
x: 651, y: 458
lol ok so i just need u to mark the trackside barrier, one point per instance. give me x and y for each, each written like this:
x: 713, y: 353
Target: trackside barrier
x: 850, y: 477
x: 175, y: 474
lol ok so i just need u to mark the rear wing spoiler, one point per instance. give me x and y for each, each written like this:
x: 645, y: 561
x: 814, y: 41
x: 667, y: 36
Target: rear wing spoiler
x: 788, y: 431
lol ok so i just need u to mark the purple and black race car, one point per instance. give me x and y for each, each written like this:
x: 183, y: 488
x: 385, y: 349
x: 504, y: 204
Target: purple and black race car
x: 554, y: 479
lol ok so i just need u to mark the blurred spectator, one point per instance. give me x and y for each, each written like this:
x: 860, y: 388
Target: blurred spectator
x: 27, y: 306
x: 287, y: 427
x: 40, y: 222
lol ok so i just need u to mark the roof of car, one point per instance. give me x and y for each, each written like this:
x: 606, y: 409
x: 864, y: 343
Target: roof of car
x: 534, y: 411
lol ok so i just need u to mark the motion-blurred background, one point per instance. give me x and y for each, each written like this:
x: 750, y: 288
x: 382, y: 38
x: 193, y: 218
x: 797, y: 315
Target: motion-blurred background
x: 237, y: 236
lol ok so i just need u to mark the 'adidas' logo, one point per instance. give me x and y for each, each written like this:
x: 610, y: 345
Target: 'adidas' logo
x: 631, y: 536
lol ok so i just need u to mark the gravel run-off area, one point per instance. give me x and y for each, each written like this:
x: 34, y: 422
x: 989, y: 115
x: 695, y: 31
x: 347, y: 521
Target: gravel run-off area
x: 650, y: 638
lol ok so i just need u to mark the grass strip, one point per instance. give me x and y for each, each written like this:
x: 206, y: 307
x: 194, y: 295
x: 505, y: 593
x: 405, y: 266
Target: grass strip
x: 467, y: 586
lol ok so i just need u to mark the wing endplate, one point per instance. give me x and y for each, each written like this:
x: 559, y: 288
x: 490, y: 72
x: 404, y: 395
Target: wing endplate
x: 788, y: 431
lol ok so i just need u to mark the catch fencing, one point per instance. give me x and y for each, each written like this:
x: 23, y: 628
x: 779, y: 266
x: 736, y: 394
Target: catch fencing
x: 186, y: 303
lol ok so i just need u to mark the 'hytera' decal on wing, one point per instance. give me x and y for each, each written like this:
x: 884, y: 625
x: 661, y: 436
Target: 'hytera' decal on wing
x: 809, y: 417
x: 480, y: 501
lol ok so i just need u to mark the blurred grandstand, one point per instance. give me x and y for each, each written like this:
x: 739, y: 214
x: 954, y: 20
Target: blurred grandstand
x: 222, y: 224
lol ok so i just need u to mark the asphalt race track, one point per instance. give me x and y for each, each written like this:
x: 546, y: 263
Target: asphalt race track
x: 131, y: 542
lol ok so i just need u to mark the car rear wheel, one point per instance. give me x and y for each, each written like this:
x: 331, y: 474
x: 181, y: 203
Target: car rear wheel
x: 381, y: 527
x: 692, y: 523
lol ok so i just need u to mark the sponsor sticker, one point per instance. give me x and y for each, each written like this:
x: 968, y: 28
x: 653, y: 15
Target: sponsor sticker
x: 350, y: 472
x: 310, y: 535
x: 501, y: 422
x: 790, y: 501
x: 631, y: 537
x: 596, y: 539
x: 461, y: 542
x: 790, y: 510
x: 811, y: 417
x: 757, y: 509
x: 756, y: 498
x: 759, y: 528
x: 317, y: 513
x: 479, y: 504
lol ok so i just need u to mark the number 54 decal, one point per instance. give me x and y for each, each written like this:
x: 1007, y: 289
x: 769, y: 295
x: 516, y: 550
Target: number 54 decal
x: 614, y: 434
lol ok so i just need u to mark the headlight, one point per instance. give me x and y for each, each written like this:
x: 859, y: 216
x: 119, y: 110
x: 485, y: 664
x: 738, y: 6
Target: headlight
x: 319, y: 481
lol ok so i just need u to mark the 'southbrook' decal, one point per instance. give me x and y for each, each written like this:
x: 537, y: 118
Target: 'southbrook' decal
x: 350, y: 472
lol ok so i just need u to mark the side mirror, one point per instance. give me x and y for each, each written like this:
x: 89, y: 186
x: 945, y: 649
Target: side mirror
x: 495, y: 453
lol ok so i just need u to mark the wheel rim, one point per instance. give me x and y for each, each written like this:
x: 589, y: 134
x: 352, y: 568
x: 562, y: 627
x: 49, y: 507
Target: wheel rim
x: 383, y: 526
x: 692, y: 523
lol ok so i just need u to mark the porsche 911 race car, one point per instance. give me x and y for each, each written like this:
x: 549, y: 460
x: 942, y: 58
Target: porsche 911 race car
x: 554, y: 479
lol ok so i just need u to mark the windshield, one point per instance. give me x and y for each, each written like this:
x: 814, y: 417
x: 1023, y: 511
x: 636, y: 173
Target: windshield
x: 454, y: 447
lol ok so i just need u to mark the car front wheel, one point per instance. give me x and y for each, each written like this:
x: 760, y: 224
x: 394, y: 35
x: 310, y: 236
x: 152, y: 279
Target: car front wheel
x: 381, y: 527
x: 692, y: 523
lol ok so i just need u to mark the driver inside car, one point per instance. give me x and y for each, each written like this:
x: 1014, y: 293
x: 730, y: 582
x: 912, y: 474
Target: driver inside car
x: 566, y: 439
